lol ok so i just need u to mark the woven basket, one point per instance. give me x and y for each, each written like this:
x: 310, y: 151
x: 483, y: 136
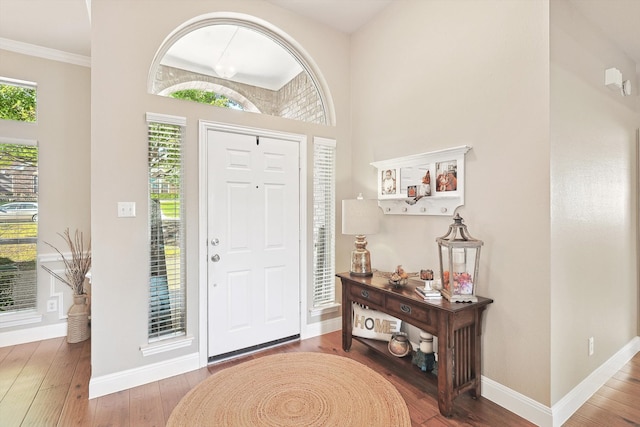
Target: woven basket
x: 78, y: 320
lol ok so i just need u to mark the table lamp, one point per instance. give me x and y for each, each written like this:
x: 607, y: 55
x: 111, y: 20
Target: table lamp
x: 360, y: 217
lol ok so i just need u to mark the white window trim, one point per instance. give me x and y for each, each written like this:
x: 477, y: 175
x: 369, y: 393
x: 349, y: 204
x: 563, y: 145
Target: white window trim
x: 166, y: 345
x: 8, y: 320
x: 20, y: 83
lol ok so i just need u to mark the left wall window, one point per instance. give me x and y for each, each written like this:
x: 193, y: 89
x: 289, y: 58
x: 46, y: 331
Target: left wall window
x: 18, y: 226
x: 17, y: 100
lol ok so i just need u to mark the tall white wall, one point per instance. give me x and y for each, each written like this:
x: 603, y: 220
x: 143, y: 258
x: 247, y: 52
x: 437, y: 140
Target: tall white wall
x: 428, y: 75
x: 594, y: 289
x: 63, y: 133
x: 121, y: 57
x: 550, y: 181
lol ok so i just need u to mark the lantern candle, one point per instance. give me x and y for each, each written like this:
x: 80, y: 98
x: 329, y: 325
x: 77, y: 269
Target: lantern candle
x: 459, y: 262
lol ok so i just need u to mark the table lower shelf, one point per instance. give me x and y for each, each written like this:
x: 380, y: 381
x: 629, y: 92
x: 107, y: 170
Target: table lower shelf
x: 382, y: 347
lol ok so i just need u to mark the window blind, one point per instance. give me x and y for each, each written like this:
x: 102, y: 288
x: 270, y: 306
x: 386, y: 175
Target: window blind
x: 167, y: 298
x: 18, y: 226
x: 324, y: 159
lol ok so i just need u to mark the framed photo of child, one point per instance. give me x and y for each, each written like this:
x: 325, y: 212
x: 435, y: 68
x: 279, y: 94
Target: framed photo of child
x: 446, y: 176
x: 389, y: 182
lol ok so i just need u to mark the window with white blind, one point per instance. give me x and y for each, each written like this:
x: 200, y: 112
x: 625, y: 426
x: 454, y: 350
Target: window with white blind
x: 324, y: 165
x: 167, y: 300
x: 18, y: 227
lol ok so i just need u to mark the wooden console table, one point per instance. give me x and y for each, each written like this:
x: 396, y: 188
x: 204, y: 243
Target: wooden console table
x: 457, y: 326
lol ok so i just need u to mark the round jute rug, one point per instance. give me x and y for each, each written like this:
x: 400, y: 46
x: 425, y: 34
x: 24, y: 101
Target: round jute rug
x: 293, y: 389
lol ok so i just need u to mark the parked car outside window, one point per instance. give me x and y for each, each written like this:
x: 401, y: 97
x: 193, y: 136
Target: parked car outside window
x: 19, y: 211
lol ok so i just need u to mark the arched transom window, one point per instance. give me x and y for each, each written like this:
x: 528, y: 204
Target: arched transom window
x: 243, y: 64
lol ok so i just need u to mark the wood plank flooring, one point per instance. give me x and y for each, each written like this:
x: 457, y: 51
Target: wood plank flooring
x: 46, y: 383
x: 617, y: 403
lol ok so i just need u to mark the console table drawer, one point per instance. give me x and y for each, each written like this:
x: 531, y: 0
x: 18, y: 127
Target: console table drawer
x: 411, y: 311
x: 366, y: 295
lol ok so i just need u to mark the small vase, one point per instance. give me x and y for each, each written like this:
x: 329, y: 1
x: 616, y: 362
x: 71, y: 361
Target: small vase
x: 78, y: 320
x: 399, y: 344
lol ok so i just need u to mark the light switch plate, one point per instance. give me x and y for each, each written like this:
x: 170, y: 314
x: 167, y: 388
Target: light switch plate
x: 126, y: 209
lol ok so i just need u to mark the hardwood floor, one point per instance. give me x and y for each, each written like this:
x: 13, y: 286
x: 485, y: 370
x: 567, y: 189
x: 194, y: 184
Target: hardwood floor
x: 45, y: 383
x: 617, y: 403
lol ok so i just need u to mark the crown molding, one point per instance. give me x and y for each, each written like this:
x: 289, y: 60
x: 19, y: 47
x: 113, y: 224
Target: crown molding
x: 44, y: 52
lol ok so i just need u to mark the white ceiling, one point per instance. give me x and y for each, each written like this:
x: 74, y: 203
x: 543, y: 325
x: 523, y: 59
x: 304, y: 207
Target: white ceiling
x: 56, y: 24
x: 251, y: 57
x: 619, y: 20
x: 344, y: 15
x: 64, y: 24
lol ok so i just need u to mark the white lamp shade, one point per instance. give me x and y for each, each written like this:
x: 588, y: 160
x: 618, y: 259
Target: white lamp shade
x: 360, y: 217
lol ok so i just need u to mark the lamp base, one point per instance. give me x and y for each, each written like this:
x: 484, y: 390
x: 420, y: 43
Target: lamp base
x: 361, y: 263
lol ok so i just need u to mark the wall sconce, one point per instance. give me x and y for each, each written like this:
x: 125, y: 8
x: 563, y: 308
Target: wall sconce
x: 360, y: 217
x: 613, y: 80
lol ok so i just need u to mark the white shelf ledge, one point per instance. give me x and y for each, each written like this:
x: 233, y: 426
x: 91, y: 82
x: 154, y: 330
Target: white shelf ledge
x: 422, y: 184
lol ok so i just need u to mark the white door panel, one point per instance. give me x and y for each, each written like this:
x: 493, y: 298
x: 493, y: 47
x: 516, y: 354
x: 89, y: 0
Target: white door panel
x: 253, y: 211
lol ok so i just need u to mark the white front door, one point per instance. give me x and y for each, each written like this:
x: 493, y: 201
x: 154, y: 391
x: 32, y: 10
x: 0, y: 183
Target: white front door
x: 253, y: 239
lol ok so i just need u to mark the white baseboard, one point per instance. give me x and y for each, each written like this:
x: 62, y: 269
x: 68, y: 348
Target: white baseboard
x: 320, y: 328
x: 111, y: 383
x: 517, y: 403
x: 573, y: 400
x: 37, y: 333
x: 557, y: 415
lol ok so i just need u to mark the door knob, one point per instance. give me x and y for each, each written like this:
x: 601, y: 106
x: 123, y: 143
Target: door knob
x: 215, y: 258
x: 215, y: 242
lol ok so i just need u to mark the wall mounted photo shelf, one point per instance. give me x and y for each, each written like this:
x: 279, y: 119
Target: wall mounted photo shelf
x: 422, y: 184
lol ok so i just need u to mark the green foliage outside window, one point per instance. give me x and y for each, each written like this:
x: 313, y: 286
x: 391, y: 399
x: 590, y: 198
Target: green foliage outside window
x: 205, y: 97
x: 17, y: 103
x: 18, y: 155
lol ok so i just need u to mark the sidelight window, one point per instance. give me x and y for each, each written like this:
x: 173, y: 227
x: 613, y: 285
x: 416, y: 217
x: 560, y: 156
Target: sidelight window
x: 167, y: 300
x: 324, y: 159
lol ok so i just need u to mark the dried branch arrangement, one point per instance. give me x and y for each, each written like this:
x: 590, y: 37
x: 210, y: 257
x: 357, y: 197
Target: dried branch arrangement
x: 78, y: 266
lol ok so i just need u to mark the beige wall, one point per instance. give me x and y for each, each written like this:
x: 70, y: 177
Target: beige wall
x: 63, y: 135
x: 550, y: 179
x: 594, y: 290
x: 429, y: 75
x: 121, y: 57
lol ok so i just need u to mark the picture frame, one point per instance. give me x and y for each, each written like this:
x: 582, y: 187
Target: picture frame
x: 415, y: 181
x: 446, y: 177
x: 388, y: 183
x: 416, y: 188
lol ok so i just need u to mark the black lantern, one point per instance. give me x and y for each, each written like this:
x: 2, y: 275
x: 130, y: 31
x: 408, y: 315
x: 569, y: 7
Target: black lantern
x: 459, y: 261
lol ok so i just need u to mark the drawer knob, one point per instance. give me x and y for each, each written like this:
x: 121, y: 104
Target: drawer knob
x: 364, y: 293
x: 405, y: 308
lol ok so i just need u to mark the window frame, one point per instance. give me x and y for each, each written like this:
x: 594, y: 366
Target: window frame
x: 177, y: 297
x: 323, y: 291
x: 27, y: 312
x: 6, y: 81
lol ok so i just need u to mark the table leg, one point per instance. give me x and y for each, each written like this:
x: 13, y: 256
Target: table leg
x: 346, y: 318
x: 445, y: 367
x: 476, y: 392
